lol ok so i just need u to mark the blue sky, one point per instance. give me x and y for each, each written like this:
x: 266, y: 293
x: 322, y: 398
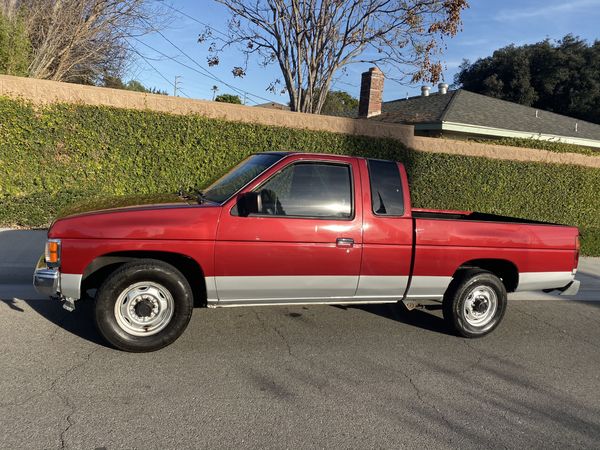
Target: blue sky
x: 487, y: 25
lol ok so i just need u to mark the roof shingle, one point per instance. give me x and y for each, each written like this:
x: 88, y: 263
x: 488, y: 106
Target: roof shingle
x: 465, y: 107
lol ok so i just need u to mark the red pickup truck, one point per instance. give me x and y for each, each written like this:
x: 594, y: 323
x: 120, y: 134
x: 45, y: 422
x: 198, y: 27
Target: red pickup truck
x: 295, y: 228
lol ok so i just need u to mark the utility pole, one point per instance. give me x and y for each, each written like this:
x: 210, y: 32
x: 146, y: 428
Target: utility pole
x: 177, y: 82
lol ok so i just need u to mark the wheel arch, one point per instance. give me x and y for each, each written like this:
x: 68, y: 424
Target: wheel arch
x: 101, y: 266
x: 504, y: 269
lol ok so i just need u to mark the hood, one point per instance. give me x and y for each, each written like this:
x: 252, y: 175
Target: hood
x: 138, y: 217
x: 125, y: 202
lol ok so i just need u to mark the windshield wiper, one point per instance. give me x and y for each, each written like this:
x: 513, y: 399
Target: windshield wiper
x: 200, y: 197
x: 192, y: 194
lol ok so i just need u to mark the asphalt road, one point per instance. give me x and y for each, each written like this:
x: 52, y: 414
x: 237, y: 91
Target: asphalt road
x: 297, y: 377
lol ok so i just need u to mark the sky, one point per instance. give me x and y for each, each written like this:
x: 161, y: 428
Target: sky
x: 487, y: 25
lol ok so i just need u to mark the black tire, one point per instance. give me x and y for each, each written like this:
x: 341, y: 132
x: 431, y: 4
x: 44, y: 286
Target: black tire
x: 462, y: 310
x: 172, y: 289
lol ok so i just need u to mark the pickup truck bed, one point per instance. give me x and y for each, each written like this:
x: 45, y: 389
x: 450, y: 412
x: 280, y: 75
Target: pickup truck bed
x: 530, y: 255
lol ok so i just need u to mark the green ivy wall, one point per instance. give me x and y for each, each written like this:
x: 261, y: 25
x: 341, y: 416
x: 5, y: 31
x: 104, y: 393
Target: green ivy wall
x: 54, y: 155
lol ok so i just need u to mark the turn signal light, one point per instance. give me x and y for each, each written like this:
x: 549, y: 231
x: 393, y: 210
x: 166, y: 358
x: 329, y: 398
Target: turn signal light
x: 52, y: 252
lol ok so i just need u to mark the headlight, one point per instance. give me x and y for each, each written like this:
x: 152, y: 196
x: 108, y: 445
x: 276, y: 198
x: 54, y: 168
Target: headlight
x: 52, y: 253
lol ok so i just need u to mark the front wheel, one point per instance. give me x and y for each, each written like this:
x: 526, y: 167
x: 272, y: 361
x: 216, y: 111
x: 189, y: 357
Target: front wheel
x: 143, y: 306
x: 475, y: 303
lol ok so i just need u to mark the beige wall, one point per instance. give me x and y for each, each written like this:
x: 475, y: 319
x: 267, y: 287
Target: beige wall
x: 44, y: 91
x: 440, y: 145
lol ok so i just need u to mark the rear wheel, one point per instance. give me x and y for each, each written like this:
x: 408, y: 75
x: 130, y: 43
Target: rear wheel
x: 475, y: 303
x: 143, y: 306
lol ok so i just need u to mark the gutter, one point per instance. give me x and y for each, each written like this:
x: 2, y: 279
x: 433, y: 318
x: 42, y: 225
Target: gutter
x: 501, y: 132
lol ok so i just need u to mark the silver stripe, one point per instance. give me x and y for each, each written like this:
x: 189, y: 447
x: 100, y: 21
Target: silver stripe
x: 300, y: 289
x: 535, y: 281
x: 374, y: 285
x: 211, y: 289
x: 285, y: 287
x: 70, y: 285
x: 428, y: 287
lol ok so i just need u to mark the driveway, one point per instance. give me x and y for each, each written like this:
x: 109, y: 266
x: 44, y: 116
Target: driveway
x: 276, y: 377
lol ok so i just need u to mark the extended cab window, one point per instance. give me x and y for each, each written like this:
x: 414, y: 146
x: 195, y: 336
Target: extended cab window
x: 309, y: 189
x: 386, y: 188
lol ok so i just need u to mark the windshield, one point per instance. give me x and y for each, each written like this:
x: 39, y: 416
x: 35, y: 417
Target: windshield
x: 239, y: 176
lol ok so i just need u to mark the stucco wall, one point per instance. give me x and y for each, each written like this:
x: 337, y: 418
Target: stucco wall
x: 440, y: 145
x: 44, y: 91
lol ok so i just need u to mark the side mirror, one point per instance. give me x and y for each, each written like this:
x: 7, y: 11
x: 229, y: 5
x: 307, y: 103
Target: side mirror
x: 249, y: 203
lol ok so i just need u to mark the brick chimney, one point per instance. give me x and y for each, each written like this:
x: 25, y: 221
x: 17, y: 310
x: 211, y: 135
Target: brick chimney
x: 371, y: 92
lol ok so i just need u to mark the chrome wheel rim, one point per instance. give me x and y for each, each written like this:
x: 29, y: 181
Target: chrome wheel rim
x: 480, y: 306
x: 144, y: 309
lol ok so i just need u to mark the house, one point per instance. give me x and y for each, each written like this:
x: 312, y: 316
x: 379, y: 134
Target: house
x: 461, y: 114
x: 273, y: 105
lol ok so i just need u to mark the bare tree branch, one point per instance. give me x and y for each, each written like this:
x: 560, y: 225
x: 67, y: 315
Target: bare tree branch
x: 82, y: 40
x: 311, y: 40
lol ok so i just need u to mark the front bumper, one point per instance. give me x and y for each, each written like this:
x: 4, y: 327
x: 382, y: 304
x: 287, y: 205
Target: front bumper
x: 46, y: 281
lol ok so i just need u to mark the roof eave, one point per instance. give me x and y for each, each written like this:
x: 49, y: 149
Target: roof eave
x: 501, y: 132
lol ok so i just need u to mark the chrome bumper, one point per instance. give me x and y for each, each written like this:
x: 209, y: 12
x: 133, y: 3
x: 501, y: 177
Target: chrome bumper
x: 46, y: 281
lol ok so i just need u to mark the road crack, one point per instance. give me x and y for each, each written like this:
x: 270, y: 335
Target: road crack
x: 65, y: 399
x: 424, y: 402
x: 276, y: 330
x: 284, y: 339
x: 53, y: 387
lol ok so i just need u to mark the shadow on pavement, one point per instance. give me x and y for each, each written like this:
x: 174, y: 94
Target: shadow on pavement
x: 79, y: 322
x: 398, y: 312
x: 12, y: 304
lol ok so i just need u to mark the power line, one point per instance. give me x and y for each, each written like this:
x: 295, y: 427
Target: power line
x: 209, y: 75
x: 156, y: 70
x: 196, y: 20
x: 183, y: 13
x: 205, y: 72
x: 345, y: 82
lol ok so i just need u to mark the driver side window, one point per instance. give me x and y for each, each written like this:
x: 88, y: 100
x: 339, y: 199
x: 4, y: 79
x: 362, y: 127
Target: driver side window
x: 308, y: 189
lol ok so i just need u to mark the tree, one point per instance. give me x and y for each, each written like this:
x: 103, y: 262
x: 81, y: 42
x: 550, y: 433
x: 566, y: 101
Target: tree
x: 228, y: 98
x: 15, y: 48
x: 339, y: 102
x: 311, y: 40
x: 561, y: 76
x: 135, y: 85
x: 114, y: 82
x: 79, y: 40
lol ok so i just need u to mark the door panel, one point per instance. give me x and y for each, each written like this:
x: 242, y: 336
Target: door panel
x: 272, y: 257
x: 387, y: 238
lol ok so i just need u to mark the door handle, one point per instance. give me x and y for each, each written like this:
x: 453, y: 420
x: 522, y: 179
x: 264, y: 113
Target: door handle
x: 344, y: 242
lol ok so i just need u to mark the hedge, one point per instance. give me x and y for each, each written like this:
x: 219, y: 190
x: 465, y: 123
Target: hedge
x: 51, y: 156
